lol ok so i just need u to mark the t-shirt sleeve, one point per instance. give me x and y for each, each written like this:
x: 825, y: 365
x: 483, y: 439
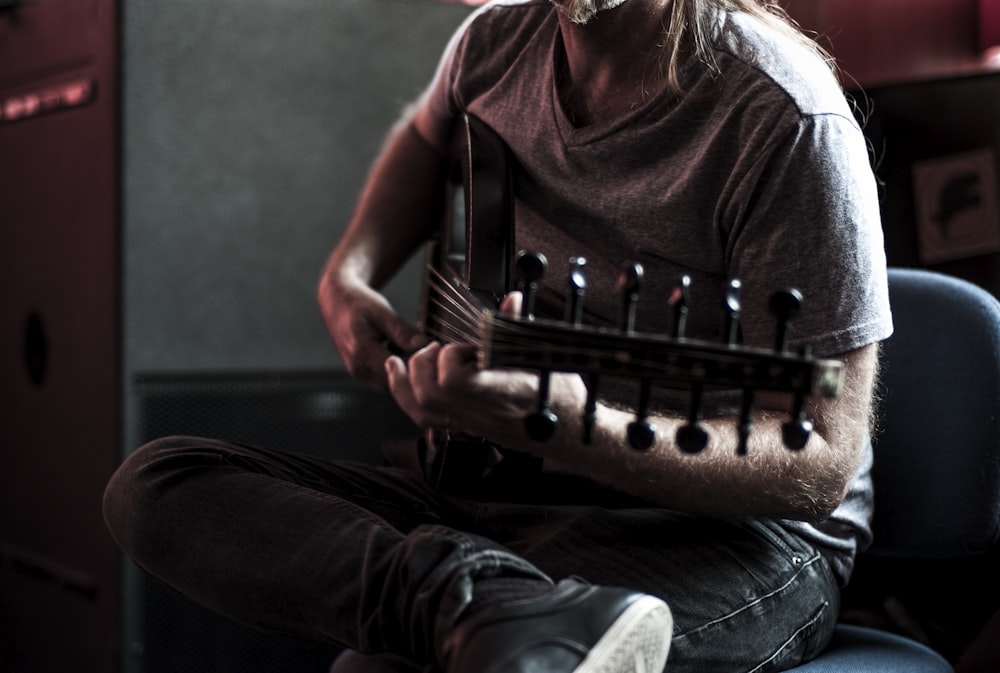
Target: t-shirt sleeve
x: 813, y: 223
x: 437, y: 106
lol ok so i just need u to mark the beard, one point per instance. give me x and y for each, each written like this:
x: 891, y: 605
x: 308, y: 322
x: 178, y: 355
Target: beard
x: 582, y: 11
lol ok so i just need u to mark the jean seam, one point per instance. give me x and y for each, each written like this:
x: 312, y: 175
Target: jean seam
x: 760, y: 599
x: 791, y: 639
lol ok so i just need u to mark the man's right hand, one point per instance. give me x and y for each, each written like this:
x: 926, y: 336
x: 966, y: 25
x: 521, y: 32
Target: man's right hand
x: 365, y: 329
x: 397, y: 212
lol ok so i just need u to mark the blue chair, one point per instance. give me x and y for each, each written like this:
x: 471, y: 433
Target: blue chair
x: 937, y: 456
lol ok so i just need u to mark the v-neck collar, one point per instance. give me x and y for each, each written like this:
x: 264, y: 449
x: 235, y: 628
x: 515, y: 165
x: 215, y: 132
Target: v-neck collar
x: 573, y: 135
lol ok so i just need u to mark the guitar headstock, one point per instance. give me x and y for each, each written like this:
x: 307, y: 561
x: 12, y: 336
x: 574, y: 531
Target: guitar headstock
x: 528, y: 342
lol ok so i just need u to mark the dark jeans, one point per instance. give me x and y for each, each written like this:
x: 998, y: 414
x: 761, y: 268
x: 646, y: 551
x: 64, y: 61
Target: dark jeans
x: 374, y: 559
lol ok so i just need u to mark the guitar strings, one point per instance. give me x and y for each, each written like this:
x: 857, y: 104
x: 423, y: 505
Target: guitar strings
x: 460, y: 317
x: 458, y: 314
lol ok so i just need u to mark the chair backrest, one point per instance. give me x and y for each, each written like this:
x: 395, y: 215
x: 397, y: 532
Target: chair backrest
x: 937, y: 453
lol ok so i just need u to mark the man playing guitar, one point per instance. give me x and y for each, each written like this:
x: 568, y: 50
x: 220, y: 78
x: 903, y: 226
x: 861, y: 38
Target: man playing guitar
x: 705, y: 140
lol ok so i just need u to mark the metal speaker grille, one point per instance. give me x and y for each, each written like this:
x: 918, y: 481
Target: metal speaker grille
x: 321, y: 414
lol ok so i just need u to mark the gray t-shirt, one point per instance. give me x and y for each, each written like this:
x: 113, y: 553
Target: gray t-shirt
x: 759, y: 173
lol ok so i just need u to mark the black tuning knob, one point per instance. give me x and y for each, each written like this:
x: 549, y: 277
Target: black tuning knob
x: 795, y: 433
x: 628, y: 285
x: 641, y: 432
x: 541, y: 425
x: 785, y: 306
x: 531, y: 268
x: 731, y: 335
x: 733, y: 308
x: 681, y: 301
x: 577, y: 283
x: 692, y: 436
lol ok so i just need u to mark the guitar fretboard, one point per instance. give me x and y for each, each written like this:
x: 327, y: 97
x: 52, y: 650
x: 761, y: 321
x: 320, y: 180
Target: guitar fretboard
x: 555, y: 346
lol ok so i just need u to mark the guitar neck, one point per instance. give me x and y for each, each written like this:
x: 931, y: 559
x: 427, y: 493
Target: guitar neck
x: 470, y: 268
x: 556, y: 346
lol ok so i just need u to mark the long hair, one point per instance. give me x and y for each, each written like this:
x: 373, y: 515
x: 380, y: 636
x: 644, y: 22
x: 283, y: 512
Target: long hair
x: 691, y: 24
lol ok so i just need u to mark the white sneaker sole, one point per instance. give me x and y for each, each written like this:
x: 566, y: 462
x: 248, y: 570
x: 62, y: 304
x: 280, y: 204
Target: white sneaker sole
x: 637, y: 642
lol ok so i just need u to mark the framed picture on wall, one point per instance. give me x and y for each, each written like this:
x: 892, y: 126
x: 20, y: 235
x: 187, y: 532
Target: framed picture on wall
x: 955, y: 202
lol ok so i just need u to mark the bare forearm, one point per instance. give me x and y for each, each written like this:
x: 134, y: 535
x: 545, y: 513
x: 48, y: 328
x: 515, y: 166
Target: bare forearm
x: 397, y: 210
x: 771, y: 480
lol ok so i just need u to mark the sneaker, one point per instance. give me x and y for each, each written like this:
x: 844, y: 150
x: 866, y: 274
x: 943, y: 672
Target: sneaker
x: 578, y: 628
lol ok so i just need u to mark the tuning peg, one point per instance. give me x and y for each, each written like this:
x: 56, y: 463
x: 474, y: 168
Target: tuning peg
x: 541, y: 425
x: 745, y: 423
x: 681, y: 300
x: 530, y: 268
x: 577, y: 282
x: 692, y: 436
x: 641, y: 432
x: 785, y: 306
x: 628, y: 285
x: 795, y: 433
x: 733, y: 308
x: 731, y: 335
x: 590, y: 410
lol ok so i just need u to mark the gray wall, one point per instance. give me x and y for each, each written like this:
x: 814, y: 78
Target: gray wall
x: 248, y: 130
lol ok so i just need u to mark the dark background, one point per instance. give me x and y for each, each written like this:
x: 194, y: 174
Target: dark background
x: 161, y: 235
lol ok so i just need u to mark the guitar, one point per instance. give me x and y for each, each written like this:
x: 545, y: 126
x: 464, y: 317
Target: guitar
x: 471, y: 266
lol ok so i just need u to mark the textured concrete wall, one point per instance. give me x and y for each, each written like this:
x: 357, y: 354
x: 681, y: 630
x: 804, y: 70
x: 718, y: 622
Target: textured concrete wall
x: 248, y: 129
